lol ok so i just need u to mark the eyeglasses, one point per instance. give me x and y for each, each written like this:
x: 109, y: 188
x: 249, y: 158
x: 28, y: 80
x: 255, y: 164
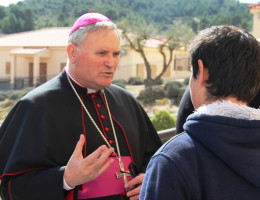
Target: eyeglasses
x: 133, y: 171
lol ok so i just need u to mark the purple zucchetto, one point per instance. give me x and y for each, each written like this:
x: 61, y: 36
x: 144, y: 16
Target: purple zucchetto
x: 88, y: 18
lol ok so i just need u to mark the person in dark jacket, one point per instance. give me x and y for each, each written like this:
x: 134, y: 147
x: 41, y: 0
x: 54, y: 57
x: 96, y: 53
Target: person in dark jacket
x: 217, y: 155
x: 185, y: 109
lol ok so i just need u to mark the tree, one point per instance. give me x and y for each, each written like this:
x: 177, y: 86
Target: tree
x: 2, y: 12
x: 28, y: 20
x: 173, y: 39
x: 204, y: 23
x: 11, y: 24
x: 18, y: 19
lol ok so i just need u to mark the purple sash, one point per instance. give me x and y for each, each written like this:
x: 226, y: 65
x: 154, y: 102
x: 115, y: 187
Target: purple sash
x: 106, y: 184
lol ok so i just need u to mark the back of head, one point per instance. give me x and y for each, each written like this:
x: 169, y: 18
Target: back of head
x: 232, y: 57
x: 87, y: 23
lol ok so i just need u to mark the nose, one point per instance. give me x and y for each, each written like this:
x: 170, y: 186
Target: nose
x: 110, y: 61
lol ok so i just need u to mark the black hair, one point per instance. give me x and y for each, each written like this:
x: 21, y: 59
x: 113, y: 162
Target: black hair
x: 232, y: 57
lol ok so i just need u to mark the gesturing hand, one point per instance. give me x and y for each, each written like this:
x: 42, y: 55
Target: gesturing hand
x: 81, y: 170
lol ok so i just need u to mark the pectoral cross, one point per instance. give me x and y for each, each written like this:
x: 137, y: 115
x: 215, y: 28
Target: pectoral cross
x: 122, y: 174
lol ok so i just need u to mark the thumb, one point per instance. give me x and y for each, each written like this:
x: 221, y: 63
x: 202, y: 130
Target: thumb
x: 78, y: 149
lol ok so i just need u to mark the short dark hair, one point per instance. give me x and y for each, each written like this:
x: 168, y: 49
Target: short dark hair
x: 232, y: 57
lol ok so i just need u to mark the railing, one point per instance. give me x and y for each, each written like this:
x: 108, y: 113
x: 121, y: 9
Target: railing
x: 23, y: 82
x: 5, y: 84
x: 167, y: 133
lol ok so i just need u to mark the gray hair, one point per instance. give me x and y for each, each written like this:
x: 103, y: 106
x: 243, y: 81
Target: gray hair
x: 79, y: 35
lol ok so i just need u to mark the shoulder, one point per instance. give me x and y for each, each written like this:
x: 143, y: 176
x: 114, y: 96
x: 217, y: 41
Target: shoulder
x: 178, y: 143
x: 49, y: 89
x: 44, y: 96
x: 174, y: 160
x: 177, y: 157
x: 178, y: 151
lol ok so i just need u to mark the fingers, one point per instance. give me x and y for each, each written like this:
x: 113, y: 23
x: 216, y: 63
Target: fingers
x: 80, y: 144
x: 135, y: 197
x: 78, y: 149
x: 99, y: 152
x: 135, y: 181
x: 83, y: 170
x: 134, y: 193
x: 134, y: 187
x: 100, y: 157
x: 105, y: 166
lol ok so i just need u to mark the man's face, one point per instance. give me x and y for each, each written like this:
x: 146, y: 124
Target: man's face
x: 96, y: 61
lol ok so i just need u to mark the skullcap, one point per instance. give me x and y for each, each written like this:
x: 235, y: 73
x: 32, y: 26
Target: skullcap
x: 88, y: 18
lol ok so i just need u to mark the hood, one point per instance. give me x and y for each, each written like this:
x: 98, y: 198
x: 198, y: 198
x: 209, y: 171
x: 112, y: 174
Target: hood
x: 232, y: 133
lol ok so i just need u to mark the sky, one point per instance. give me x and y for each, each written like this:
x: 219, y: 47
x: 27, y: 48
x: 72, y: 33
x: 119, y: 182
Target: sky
x: 246, y: 1
x: 8, y: 2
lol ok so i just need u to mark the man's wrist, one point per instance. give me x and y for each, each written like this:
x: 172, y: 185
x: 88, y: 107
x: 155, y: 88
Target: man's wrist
x: 65, y: 184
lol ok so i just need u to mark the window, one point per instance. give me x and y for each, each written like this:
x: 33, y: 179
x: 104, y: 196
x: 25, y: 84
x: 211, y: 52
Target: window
x: 179, y: 68
x: 8, y: 68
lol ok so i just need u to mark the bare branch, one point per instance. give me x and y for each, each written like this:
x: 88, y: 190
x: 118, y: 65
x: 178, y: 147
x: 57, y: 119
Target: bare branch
x: 130, y: 42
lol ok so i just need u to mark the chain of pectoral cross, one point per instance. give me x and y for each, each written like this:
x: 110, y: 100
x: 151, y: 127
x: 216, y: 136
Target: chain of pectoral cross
x: 122, y: 174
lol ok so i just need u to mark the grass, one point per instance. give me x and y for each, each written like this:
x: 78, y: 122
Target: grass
x: 8, y: 99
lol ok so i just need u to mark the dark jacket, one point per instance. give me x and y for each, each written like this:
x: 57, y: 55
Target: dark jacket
x: 216, y: 158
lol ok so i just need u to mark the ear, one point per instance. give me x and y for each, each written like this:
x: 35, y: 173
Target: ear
x: 71, y: 52
x: 203, y: 73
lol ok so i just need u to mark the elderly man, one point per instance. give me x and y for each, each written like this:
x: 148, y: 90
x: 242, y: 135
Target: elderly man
x: 77, y: 136
x: 217, y: 155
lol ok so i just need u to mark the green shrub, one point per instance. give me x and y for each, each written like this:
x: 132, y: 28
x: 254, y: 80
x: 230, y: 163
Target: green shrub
x: 150, y: 95
x: 14, y: 95
x: 17, y: 94
x: 163, y: 119
x: 186, y: 81
x: 135, y: 81
x: 120, y: 82
x: 172, y: 89
x: 177, y: 100
x: 159, y: 82
x: 3, y: 96
x: 8, y: 103
x: 173, y: 83
x: 163, y: 101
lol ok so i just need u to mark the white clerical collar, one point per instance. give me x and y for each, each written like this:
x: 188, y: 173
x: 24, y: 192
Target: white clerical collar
x: 89, y: 89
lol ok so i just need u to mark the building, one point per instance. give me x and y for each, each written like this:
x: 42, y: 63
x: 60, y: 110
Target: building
x: 31, y: 58
x: 131, y: 64
x: 255, y: 10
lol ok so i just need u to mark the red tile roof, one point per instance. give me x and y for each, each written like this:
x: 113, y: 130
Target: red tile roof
x: 253, y: 6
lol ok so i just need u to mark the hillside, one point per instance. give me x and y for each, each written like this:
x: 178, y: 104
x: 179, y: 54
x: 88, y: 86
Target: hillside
x: 197, y: 14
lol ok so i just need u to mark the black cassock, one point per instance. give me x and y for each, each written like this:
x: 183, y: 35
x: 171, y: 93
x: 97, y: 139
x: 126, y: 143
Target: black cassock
x: 40, y: 133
